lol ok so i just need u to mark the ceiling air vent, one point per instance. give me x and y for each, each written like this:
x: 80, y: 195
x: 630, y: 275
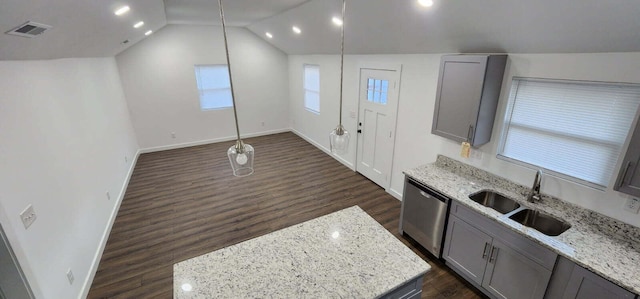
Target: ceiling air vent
x: 29, y: 29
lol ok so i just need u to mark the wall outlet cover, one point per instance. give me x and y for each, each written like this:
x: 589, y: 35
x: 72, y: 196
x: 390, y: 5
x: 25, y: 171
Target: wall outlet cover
x: 28, y: 216
x: 632, y: 205
x: 70, y: 276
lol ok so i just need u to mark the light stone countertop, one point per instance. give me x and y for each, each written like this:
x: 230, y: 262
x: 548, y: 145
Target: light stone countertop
x: 601, y: 244
x: 346, y: 254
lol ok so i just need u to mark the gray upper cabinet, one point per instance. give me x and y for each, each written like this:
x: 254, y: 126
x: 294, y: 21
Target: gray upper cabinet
x: 467, y: 97
x: 629, y: 178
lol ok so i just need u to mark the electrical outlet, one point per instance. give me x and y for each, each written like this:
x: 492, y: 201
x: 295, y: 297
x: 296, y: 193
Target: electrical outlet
x: 28, y: 216
x: 632, y: 205
x: 476, y: 154
x: 173, y: 134
x: 262, y: 124
x: 70, y: 276
x: 108, y: 195
x: 352, y: 114
x: 126, y: 159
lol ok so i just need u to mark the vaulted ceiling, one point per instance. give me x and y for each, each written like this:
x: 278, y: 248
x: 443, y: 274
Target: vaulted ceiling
x: 89, y: 28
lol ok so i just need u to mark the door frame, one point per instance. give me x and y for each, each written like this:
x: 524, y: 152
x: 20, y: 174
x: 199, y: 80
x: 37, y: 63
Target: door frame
x: 397, y: 68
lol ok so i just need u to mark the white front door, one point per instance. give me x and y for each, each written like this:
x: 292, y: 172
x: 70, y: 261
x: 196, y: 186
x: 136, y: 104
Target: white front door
x: 377, y: 123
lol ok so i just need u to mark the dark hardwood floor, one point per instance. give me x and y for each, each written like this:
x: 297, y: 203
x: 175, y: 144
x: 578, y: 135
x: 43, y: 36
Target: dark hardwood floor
x: 184, y: 203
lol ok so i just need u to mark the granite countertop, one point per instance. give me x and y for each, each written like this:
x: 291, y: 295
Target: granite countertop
x: 346, y: 254
x: 601, y: 244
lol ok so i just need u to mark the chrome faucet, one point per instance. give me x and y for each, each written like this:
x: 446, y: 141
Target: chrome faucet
x: 534, y: 194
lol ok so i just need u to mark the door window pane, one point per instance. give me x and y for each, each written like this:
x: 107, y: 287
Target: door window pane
x: 377, y: 91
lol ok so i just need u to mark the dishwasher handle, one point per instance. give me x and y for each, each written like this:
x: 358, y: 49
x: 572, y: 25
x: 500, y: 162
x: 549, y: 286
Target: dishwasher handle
x: 426, y: 193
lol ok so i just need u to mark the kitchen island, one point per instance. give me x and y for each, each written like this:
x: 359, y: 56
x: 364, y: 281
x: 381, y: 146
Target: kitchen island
x: 346, y: 254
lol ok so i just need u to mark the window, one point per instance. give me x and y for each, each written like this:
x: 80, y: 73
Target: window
x: 214, y: 87
x: 573, y: 129
x: 377, y: 91
x: 312, y: 88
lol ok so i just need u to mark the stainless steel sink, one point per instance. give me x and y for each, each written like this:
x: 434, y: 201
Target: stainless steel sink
x: 541, y: 222
x: 495, y: 201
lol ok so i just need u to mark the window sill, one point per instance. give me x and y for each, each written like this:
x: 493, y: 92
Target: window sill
x: 312, y: 111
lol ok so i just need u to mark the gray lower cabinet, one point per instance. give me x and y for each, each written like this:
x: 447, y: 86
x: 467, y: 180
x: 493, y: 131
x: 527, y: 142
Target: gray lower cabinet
x: 410, y: 290
x: 466, y: 248
x: 629, y: 177
x: 501, y: 263
x: 570, y: 281
x: 510, y: 274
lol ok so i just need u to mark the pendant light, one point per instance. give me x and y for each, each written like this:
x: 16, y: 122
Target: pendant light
x: 240, y: 154
x: 339, y: 137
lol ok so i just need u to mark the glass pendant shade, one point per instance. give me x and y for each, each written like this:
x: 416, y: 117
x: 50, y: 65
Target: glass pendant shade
x: 241, y: 159
x: 339, y: 139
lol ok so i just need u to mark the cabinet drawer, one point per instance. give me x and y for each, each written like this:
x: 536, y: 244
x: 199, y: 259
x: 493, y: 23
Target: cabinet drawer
x: 522, y: 244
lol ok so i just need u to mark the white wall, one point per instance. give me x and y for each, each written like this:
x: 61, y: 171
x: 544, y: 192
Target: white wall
x: 65, y: 130
x: 416, y: 145
x: 158, y: 78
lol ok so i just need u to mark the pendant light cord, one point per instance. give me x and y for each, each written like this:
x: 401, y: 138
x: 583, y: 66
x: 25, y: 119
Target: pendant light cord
x: 226, y: 48
x: 341, y: 62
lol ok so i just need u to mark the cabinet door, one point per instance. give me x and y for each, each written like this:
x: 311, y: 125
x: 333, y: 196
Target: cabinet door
x: 584, y: 284
x: 629, y: 178
x: 466, y: 249
x: 510, y: 274
x: 458, y: 99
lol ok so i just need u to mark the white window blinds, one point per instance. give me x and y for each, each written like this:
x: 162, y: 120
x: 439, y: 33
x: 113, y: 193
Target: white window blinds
x: 214, y: 87
x: 312, y: 88
x: 573, y: 129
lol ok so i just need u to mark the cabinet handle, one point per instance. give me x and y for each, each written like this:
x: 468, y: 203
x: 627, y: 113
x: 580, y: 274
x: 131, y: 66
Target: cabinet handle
x: 624, y: 175
x: 470, y: 133
x: 494, y: 254
x: 484, y: 252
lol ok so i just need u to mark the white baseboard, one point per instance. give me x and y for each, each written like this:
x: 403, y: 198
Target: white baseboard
x: 105, y: 235
x: 209, y: 141
x: 395, y: 194
x: 324, y: 149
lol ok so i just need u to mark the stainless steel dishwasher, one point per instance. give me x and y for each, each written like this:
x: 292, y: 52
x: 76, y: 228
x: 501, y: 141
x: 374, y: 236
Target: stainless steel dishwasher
x: 424, y: 215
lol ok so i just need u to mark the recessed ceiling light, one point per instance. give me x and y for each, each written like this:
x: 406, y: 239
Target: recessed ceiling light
x: 138, y: 25
x: 336, y: 21
x: 426, y: 3
x: 122, y: 10
x: 148, y: 32
x: 269, y: 35
x: 296, y: 30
